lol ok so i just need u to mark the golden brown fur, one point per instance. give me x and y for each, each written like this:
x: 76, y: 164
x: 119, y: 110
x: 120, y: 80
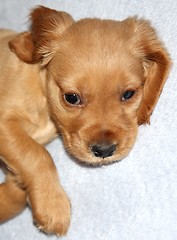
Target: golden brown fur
x: 72, y: 77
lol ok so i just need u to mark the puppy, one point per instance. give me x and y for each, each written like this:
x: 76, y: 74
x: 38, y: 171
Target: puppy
x: 94, y: 81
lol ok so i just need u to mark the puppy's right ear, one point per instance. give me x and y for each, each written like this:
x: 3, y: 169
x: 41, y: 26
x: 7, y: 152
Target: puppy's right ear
x: 40, y: 44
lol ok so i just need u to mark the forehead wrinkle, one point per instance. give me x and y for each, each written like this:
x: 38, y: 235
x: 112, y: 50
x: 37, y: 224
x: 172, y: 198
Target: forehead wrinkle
x: 103, y: 82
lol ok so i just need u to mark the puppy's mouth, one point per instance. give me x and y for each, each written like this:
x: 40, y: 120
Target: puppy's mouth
x: 95, y: 151
x: 97, y: 154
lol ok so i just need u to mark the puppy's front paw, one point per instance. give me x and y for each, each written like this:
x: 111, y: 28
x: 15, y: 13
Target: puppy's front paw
x: 52, y: 213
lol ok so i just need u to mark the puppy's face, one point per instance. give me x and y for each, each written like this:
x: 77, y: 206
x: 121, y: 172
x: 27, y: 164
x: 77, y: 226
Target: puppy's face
x: 104, y: 79
x: 95, y: 89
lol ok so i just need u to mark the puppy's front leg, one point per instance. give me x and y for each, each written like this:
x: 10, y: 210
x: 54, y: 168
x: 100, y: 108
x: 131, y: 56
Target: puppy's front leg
x: 35, y: 170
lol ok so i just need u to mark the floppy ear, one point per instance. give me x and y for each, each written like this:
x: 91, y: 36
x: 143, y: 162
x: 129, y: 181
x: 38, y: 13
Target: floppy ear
x: 156, y: 63
x: 47, y: 26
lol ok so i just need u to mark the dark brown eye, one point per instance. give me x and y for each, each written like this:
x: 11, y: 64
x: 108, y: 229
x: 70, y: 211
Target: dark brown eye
x: 72, y: 98
x: 127, y: 95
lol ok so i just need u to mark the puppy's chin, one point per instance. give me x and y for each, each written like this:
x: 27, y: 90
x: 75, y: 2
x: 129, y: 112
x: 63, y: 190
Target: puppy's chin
x: 90, y: 160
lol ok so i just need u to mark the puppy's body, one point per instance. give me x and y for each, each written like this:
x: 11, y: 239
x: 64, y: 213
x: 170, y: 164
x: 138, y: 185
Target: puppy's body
x: 93, y: 80
x: 25, y: 122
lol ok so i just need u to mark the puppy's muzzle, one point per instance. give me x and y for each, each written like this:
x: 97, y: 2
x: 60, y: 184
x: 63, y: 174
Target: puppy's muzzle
x: 103, y: 150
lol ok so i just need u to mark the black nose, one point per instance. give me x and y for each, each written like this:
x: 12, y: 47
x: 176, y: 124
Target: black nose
x: 103, y: 150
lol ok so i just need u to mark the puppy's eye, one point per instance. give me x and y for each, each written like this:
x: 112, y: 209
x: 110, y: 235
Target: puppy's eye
x: 72, y: 98
x: 127, y: 95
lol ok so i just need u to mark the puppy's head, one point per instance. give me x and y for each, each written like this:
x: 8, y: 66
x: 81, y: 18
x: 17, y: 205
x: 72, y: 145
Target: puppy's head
x: 103, y: 79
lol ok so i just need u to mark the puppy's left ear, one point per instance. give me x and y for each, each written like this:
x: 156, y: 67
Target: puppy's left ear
x: 40, y: 44
x: 156, y: 63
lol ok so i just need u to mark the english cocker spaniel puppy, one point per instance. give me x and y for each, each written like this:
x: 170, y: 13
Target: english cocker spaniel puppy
x: 94, y: 81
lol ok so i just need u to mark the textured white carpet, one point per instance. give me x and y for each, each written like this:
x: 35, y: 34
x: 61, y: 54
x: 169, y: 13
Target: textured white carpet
x: 137, y: 198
